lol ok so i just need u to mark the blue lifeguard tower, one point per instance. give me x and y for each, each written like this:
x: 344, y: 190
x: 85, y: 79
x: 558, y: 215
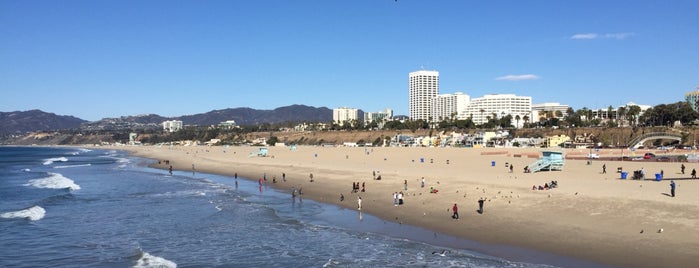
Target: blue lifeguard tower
x: 550, y: 160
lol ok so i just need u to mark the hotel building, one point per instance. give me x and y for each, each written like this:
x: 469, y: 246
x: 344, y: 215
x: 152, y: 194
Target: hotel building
x: 423, y: 87
x: 378, y: 117
x: 344, y: 114
x: 539, y: 111
x: 450, y: 106
x: 499, y: 105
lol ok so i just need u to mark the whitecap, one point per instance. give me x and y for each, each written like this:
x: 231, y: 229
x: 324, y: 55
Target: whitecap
x: 34, y: 213
x: 26, y: 170
x: 54, y: 181
x: 148, y: 260
x: 55, y: 159
x: 72, y: 166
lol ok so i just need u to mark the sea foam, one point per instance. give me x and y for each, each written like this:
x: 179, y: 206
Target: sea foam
x: 55, y: 159
x: 54, y: 181
x: 34, y: 213
x: 148, y: 260
x: 73, y: 166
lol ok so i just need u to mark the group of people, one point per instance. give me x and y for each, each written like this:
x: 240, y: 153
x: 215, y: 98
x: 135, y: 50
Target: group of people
x: 397, y: 198
x: 355, y: 187
x: 546, y: 186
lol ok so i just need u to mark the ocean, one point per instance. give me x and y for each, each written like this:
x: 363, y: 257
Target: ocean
x: 69, y: 207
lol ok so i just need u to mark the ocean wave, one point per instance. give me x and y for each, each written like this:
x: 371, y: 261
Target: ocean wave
x: 55, y: 159
x: 147, y: 260
x: 54, y: 181
x: 34, y: 213
x: 72, y: 166
x: 26, y: 170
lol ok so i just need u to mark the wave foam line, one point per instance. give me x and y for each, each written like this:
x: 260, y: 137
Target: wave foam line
x: 54, y: 181
x: 34, y: 213
x: 55, y: 159
x: 72, y: 166
x: 148, y: 260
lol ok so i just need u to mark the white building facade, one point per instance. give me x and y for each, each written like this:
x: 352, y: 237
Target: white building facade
x: 423, y: 87
x: 172, y: 125
x: 498, y: 106
x: 540, y: 110
x: 344, y: 114
x: 380, y: 117
x: 450, y: 106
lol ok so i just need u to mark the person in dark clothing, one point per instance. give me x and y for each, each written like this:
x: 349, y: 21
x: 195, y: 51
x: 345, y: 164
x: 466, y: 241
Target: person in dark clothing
x: 480, y: 205
x: 672, y: 188
x: 682, y: 168
x: 455, y: 209
x: 604, y: 168
x: 694, y: 173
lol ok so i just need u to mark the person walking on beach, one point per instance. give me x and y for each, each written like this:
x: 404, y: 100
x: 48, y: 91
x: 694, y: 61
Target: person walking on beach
x: 395, y: 199
x: 481, y: 201
x: 359, y: 203
x: 682, y: 168
x: 604, y: 168
x: 422, y: 183
x: 455, y: 209
x: 342, y: 197
x: 311, y: 176
x: 405, y: 185
x: 284, y: 177
x: 672, y: 188
x: 511, y: 167
x: 170, y: 170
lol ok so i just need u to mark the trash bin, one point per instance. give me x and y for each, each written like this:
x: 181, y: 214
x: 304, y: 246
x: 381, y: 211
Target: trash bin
x: 492, y: 163
x: 658, y: 177
x: 623, y: 175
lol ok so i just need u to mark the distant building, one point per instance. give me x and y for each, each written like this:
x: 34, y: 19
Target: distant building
x: 344, y: 114
x: 229, y: 124
x: 540, y: 111
x: 498, y: 106
x: 693, y: 99
x: 423, y: 86
x: 379, y: 117
x: 450, y: 106
x: 172, y: 125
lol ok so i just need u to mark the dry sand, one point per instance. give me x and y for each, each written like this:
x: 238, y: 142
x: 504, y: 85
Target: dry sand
x: 590, y: 216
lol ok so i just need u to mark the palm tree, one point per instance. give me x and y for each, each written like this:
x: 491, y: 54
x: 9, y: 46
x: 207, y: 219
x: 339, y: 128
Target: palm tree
x: 517, y: 119
x: 526, y: 119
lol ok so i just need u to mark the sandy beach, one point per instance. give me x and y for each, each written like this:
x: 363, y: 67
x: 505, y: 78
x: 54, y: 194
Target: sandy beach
x: 589, y: 216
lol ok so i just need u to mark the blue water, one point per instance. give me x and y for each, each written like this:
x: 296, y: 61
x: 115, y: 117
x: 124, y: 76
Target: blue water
x: 71, y: 207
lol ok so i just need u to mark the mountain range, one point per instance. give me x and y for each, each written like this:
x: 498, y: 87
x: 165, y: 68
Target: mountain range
x: 20, y: 122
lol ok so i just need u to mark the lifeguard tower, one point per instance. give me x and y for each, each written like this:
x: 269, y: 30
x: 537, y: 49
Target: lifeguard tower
x: 550, y: 160
x: 261, y: 153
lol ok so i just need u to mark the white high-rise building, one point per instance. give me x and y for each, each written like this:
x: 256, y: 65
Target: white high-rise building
x: 344, y: 114
x: 540, y: 110
x: 499, y: 105
x: 423, y: 87
x: 450, y: 106
x: 172, y: 125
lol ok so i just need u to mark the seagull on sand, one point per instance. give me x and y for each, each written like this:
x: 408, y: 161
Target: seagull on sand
x: 443, y: 253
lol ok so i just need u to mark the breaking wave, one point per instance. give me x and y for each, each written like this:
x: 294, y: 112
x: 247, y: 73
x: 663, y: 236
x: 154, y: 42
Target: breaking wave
x: 55, y: 159
x: 72, y: 166
x: 54, y: 181
x: 147, y: 260
x: 34, y: 213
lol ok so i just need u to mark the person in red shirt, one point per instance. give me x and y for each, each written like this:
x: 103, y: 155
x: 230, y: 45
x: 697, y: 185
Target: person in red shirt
x: 456, y: 212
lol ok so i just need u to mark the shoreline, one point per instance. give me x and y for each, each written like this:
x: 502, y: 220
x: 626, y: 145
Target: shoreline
x: 596, y: 225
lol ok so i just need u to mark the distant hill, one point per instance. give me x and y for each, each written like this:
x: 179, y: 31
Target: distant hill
x: 20, y: 122
x: 36, y: 120
x: 249, y: 116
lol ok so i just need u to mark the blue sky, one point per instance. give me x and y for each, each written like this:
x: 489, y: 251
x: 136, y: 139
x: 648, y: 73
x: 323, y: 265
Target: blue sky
x: 96, y: 59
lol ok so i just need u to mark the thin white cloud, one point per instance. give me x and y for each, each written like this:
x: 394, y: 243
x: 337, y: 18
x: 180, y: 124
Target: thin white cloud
x: 589, y: 36
x: 584, y: 36
x: 512, y: 77
x: 619, y: 36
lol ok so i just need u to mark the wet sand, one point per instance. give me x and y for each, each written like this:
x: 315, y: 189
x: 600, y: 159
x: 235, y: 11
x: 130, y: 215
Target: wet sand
x: 589, y: 216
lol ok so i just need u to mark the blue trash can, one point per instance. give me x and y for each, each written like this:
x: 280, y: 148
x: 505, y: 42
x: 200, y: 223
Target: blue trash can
x: 492, y: 163
x: 658, y: 177
x: 623, y: 175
